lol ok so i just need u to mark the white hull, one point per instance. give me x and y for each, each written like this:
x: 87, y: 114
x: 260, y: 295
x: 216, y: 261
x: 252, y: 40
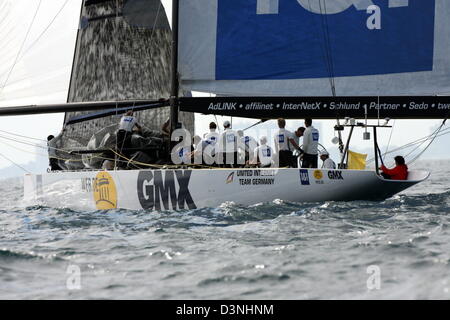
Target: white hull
x: 189, y: 189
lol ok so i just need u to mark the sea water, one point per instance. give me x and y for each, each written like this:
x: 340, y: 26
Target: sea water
x: 398, y: 248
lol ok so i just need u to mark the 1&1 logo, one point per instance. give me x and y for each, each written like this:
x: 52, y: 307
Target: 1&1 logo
x: 304, y: 177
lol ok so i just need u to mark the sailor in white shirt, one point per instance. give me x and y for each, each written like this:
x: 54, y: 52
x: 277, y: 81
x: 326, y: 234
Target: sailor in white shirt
x: 212, y: 136
x: 297, y: 135
x: 284, y: 145
x: 204, y: 152
x: 227, y: 147
x: 53, y: 161
x: 327, y: 162
x: 126, y: 126
x: 310, y: 145
x: 263, y: 154
x: 247, y: 144
x: 182, y: 155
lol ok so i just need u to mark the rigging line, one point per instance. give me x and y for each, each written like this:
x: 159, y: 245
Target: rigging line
x: 329, y: 61
x: 21, y: 47
x: 330, y: 57
x: 22, y: 142
x: 423, y: 151
x: 324, y: 47
x: 154, y: 24
x: 33, y: 152
x: 14, y: 163
x: 418, y: 147
x: 161, y: 166
x: 45, y: 30
x: 45, y: 148
x: 431, y: 142
x: 116, y: 40
x: 20, y: 149
x: 379, y: 154
x: 217, y: 123
x: 413, y: 143
x: 18, y: 135
x: 254, y: 125
x: 324, y: 43
x: 378, y: 109
x: 57, y: 158
x: 33, y: 145
x: 389, y: 142
x: 327, y: 46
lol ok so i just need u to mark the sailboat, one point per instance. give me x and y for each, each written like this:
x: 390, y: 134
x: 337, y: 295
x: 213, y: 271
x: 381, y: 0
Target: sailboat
x: 263, y: 59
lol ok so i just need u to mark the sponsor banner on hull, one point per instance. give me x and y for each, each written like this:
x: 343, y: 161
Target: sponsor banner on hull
x: 335, y: 175
x: 255, y: 177
x: 165, y: 190
x: 103, y: 189
x: 304, y: 177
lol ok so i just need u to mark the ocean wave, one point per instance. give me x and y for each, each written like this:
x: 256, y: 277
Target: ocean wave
x: 6, y: 254
x: 230, y: 213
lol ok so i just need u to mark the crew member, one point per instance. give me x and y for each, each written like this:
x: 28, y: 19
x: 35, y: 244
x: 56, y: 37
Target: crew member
x: 400, y: 172
x: 126, y: 126
x: 247, y: 144
x: 182, y: 152
x: 310, y: 145
x: 165, y: 129
x: 227, y: 147
x: 212, y: 136
x: 328, y: 163
x: 204, y: 152
x: 53, y: 161
x: 284, y: 145
x: 297, y: 135
x: 263, y: 154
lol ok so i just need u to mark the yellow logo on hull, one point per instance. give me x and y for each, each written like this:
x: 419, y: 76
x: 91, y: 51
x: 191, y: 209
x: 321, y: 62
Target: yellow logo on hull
x: 318, y: 175
x: 105, y: 192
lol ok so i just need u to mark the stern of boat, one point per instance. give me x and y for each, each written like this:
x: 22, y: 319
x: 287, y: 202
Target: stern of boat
x: 387, y: 188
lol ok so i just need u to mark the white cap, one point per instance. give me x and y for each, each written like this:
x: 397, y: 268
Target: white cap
x: 263, y: 140
x: 197, y: 139
x: 324, y: 153
x: 226, y: 124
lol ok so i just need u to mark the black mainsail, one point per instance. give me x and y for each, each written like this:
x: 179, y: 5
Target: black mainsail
x: 123, y: 52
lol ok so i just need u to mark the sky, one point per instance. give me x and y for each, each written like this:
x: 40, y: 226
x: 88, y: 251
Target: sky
x: 54, y: 27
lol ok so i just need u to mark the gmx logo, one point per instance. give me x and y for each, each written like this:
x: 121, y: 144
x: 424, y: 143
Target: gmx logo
x: 305, y: 39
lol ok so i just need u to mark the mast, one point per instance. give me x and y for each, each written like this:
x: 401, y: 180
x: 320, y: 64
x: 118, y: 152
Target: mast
x: 175, y: 86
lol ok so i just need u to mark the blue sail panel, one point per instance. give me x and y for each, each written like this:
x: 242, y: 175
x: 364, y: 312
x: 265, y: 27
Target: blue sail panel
x: 292, y: 42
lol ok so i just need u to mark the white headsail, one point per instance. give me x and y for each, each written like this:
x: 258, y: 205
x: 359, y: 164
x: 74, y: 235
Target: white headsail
x: 36, y: 52
x: 315, y: 47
